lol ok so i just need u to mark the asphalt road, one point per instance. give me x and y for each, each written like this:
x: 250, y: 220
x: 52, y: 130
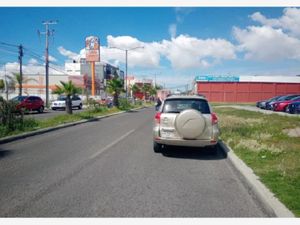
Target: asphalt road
x: 107, y: 168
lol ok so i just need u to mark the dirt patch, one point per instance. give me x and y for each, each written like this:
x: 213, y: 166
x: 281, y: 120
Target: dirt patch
x: 265, y: 136
x: 295, y: 132
x: 255, y: 146
x: 234, y: 121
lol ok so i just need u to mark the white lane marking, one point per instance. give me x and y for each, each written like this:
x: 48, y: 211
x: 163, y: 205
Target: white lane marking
x: 111, y: 144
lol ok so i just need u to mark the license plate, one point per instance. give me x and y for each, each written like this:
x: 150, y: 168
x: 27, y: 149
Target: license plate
x: 167, y: 134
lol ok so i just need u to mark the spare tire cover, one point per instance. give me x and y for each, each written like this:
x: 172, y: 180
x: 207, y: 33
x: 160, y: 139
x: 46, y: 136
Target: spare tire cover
x: 190, y: 124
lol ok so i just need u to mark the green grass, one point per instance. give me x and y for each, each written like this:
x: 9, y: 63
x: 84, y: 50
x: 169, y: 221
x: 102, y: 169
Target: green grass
x: 262, y: 142
x: 31, y: 124
x: 232, y: 103
x: 65, y: 118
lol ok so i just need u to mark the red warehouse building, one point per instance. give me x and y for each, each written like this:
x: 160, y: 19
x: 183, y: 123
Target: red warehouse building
x: 245, y: 88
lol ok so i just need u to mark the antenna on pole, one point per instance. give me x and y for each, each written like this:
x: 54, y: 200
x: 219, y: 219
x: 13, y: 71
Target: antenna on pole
x: 39, y: 34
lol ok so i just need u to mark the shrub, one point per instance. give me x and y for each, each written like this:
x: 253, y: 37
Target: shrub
x: 124, y: 104
x: 99, y: 108
x: 12, y: 121
x: 139, y: 102
x: 9, y: 117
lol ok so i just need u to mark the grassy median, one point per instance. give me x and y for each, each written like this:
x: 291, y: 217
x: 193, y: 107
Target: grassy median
x: 30, y: 124
x: 270, y: 145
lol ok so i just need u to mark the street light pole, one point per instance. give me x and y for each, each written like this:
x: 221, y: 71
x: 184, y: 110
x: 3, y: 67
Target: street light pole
x: 126, y: 58
x: 126, y: 64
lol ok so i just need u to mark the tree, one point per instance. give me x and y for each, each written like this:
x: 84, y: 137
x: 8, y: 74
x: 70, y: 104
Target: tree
x: 17, y: 79
x: 146, y: 89
x: 68, y: 89
x: 135, y: 89
x: 153, y: 91
x: 158, y: 87
x: 2, y: 85
x: 115, y: 87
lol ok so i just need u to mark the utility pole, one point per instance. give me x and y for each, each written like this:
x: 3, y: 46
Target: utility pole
x: 47, y: 33
x: 21, y: 71
x: 6, y: 83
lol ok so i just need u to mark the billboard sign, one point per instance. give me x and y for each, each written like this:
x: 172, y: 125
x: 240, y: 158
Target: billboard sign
x: 217, y: 78
x: 92, y: 49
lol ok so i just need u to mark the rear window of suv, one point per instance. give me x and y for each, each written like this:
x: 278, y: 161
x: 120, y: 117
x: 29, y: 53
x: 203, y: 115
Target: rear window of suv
x: 178, y: 105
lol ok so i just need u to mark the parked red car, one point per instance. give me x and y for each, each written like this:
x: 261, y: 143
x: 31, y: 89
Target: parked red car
x: 29, y: 103
x: 283, y: 105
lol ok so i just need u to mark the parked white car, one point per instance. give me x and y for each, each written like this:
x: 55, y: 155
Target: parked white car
x: 185, y: 121
x: 60, y: 103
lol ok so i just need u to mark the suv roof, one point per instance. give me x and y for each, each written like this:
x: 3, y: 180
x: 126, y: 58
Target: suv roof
x: 186, y: 97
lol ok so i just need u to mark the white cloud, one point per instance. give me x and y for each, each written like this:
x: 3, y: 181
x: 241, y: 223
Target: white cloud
x: 143, y: 57
x: 289, y: 21
x: 51, y: 58
x: 82, y: 54
x: 190, y: 52
x: 67, y: 53
x: 182, y: 12
x: 173, y: 30
x: 33, y: 62
x: 31, y: 68
x: 266, y: 43
x: 183, y: 52
x: 123, y: 41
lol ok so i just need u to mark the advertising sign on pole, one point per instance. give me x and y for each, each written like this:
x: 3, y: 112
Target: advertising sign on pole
x: 92, y: 49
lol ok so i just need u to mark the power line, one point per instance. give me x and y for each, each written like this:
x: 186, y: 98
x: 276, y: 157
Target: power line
x: 8, y: 47
x: 8, y: 51
x: 33, y: 53
x: 58, y: 70
x: 7, y: 44
x: 52, y: 67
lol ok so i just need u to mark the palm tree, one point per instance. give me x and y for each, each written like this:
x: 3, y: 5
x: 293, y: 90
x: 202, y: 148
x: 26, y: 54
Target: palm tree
x: 17, y: 79
x: 68, y: 89
x: 115, y: 87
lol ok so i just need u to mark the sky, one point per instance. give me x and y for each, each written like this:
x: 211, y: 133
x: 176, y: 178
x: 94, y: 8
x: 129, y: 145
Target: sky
x: 178, y: 43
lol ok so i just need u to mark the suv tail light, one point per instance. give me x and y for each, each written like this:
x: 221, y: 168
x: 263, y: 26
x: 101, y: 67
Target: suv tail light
x: 157, y: 118
x: 214, y: 118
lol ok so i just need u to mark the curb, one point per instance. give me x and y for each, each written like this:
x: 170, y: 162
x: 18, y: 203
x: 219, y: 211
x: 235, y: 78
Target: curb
x: 263, y: 194
x: 45, y: 130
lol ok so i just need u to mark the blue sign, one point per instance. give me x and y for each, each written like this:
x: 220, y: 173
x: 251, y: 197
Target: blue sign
x: 218, y: 78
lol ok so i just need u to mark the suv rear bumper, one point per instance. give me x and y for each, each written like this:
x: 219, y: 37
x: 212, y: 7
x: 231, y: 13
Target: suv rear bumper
x: 188, y: 143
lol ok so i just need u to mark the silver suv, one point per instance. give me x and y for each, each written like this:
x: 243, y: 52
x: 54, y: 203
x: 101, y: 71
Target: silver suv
x: 185, y: 121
